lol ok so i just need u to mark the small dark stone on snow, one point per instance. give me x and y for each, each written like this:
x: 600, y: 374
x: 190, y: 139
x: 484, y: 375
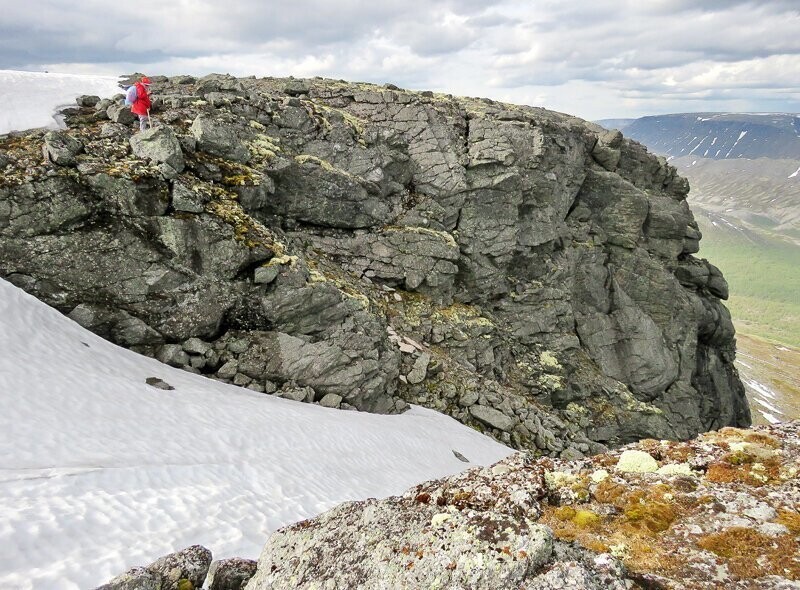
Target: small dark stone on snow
x: 460, y: 457
x: 158, y: 383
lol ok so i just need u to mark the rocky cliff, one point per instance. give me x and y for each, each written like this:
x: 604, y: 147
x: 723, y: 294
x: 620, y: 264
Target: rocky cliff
x: 364, y: 247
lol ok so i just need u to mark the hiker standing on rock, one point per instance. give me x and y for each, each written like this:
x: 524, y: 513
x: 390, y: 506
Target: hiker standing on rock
x: 138, y: 99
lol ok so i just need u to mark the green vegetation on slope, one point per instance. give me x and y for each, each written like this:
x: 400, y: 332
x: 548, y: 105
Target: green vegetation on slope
x: 764, y: 277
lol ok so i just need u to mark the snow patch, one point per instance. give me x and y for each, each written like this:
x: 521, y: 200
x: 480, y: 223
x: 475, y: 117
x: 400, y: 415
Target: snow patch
x: 100, y: 472
x: 30, y: 99
x: 793, y: 174
x: 767, y: 405
x: 741, y: 135
x: 761, y: 389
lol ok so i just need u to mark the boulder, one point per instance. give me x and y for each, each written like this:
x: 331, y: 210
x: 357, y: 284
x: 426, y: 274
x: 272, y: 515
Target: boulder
x: 446, y: 548
x: 296, y: 87
x: 219, y: 137
x: 119, y: 113
x: 86, y: 100
x: 492, y: 417
x: 230, y: 574
x: 189, y: 564
x: 183, y: 570
x: 331, y: 400
x: 420, y: 369
x: 159, y: 144
x: 137, y: 578
x: 60, y: 148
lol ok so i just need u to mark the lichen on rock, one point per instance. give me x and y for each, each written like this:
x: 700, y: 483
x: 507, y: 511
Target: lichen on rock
x: 538, y: 523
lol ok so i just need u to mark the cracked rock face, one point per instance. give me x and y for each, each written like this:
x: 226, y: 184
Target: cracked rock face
x: 528, y: 273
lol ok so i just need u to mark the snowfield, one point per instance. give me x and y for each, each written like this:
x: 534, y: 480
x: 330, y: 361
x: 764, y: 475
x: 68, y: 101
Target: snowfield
x: 30, y: 99
x: 100, y: 472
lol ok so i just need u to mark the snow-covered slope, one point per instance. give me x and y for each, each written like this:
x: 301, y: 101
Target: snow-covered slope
x: 99, y: 471
x: 30, y: 99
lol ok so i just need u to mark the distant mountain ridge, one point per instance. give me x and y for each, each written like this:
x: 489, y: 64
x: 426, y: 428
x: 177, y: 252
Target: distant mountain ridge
x: 717, y: 136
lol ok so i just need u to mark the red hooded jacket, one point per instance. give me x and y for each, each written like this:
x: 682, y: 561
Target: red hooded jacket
x: 142, y: 103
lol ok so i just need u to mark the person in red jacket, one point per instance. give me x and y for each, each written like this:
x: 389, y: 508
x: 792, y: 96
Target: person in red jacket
x: 138, y: 99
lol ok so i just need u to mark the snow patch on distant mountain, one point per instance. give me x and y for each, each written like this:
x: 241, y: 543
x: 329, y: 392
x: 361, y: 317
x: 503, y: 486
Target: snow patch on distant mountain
x: 735, y: 135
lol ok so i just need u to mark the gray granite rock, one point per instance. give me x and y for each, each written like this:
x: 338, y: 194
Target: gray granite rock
x: 60, y: 148
x: 158, y: 144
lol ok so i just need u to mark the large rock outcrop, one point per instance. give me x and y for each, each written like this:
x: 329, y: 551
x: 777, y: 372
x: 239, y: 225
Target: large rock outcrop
x: 529, y: 273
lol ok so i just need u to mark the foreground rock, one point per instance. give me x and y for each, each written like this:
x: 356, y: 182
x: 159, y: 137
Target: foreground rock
x: 717, y: 512
x: 526, y: 272
x: 230, y: 574
x: 184, y: 570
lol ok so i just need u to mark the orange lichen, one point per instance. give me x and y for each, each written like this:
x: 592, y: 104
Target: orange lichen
x: 656, y: 516
x: 609, y: 492
x: 790, y: 519
x: 738, y: 545
x: 763, y: 439
x: 740, y: 467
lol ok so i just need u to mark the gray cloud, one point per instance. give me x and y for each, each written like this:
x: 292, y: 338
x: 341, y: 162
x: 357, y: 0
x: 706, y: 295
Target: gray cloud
x: 602, y: 58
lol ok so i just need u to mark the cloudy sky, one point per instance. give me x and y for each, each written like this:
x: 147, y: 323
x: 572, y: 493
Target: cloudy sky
x: 592, y: 58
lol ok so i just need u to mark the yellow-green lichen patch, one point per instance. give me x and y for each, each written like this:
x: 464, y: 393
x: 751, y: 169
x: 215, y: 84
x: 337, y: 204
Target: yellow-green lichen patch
x: 549, y: 361
x: 264, y: 148
x: 246, y: 229
x: 325, y: 165
x: 235, y: 174
x: 284, y: 260
x: 322, y: 112
x: 586, y: 519
x: 459, y: 313
x: 442, y: 235
x: 550, y: 382
x: 348, y: 285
